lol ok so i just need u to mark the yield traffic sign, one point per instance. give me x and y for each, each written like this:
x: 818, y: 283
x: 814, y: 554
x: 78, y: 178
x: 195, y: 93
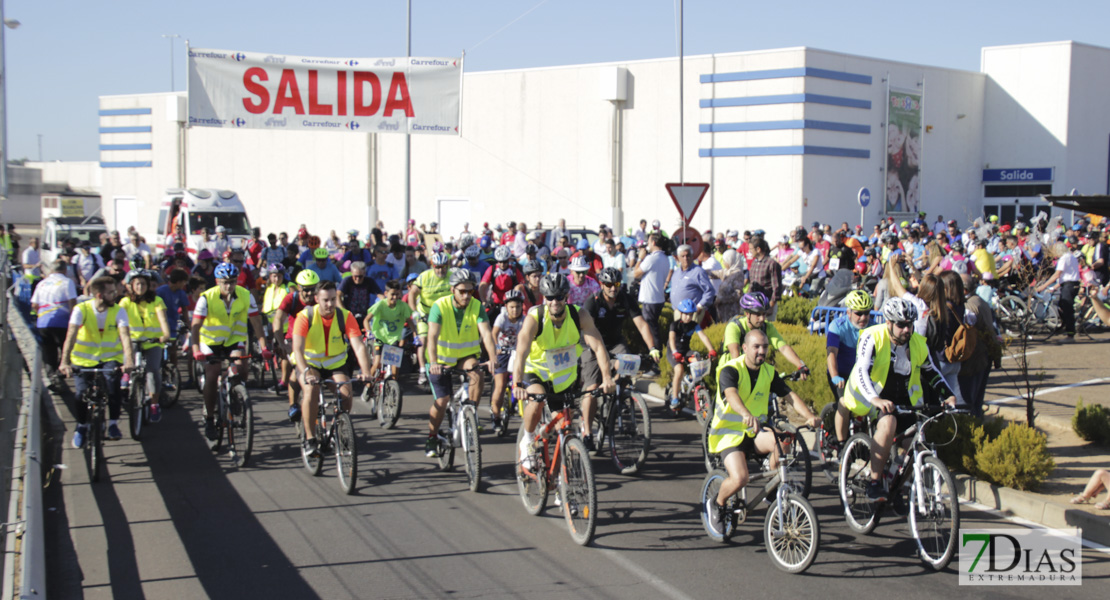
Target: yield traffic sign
x: 687, y: 197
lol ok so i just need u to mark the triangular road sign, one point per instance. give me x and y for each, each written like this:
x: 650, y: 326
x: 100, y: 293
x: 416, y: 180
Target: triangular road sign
x: 687, y: 197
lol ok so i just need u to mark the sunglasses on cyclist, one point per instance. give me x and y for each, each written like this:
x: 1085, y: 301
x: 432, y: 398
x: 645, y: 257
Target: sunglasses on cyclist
x: 903, y: 324
x: 467, y: 291
x: 862, y: 313
x: 309, y: 289
x: 559, y: 298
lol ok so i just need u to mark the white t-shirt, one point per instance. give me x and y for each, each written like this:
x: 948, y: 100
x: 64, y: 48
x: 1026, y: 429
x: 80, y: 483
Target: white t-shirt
x: 655, y: 267
x: 32, y: 257
x: 131, y: 250
x: 78, y: 318
x: 711, y: 264
x: 1068, y: 265
x: 201, y: 309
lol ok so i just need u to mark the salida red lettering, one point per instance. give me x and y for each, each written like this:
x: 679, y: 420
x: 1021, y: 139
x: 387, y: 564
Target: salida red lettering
x: 367, y: 94
x: 257, y: 89
x: 398, y: 98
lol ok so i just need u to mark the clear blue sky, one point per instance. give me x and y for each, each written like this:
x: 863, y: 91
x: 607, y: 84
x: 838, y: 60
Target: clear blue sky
x: 69, y: 52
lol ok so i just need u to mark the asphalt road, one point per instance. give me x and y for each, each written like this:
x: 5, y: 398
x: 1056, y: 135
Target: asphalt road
x: 174, y: 520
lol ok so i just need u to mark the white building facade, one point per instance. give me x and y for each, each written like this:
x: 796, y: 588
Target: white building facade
x: 783, y: 137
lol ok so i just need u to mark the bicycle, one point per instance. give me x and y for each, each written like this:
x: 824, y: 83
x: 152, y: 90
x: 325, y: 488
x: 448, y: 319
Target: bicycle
x: 933, y: 508
x: 566, y: 466
x: 96, y: 399
x: 623, y: 419
x: 171, y: 380
x: 510, y: 404
x: 791, y: 531
x: 234, y: 413
x: 334, y: 431
x: 795, y: 455
x: 828, y: 450
x: 693, y: 391
x: 138, y: 405
x: 383, y: 393
x: 459, y: 429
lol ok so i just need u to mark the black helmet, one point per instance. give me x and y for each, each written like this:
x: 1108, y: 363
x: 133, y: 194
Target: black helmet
x: 554, y: 284
x: 461, y: 276
x: 532, y: 266
x: 609, y: 275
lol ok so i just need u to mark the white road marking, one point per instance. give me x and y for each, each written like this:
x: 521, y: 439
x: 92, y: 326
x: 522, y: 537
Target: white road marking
x: 652, y: 579
x: 1013, y: 356
x: 1052, y: 389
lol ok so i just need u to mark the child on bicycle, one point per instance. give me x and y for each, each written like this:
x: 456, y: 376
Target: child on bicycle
x: 683, y: 329
x: 386, y: 319
x: 505, y: 330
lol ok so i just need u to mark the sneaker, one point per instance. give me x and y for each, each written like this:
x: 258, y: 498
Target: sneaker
x: 155, y: 413
x: 310, y: 448
x: 588, y: 440
x: 294, y: 413
x: 79, y: 436
x: 525, y: 456
x: 114, y: 432
x: 210, y: 431
x: 715, y: 515
x: 431, y: 447
x: 422, y: 379
x: 494, y: 422
x: 675, y: 403
x: 875, y: 492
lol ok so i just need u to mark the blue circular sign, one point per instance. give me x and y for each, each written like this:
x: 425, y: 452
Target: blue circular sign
x: 864, y: 197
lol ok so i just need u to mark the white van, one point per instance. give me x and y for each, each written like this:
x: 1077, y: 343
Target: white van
x: 185, y: 212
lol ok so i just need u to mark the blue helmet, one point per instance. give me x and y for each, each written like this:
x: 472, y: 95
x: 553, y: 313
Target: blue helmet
x: 485, y: 243
x: 583, y: 244
x: 687, y: 306
x: 226, y: 270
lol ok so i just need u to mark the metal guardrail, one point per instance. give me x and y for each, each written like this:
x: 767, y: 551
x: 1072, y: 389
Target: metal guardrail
x: 821, y: 316
x: 25, y: 538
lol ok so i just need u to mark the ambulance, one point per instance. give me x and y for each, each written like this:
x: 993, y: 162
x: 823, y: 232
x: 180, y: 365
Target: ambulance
x: 184, y: 212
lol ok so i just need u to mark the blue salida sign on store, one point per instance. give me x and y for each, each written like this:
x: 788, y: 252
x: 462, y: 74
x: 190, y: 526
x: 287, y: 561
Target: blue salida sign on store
x: 1016, y: 175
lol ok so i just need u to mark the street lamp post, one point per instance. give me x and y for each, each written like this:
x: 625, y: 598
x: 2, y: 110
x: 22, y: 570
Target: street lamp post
x: 170, y: 37
x: 11, y: 23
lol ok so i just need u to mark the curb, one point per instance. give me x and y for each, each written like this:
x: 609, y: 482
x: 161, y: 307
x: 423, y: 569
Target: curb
x: 1009, y: 502
x: 1027, y: 506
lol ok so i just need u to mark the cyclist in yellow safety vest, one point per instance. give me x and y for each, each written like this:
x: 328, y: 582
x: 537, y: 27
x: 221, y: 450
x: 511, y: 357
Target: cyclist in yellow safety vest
x: 219, y: 330
x: 431, y: 285
x: 150, y: 330
x: 547, y: 350
x: 744, y: 388
x: 97, y: 328
x: 755, y: 307
x: 892, y: 362
x: 320, y: 337
x: 273, y: 293
x: 457, y: 330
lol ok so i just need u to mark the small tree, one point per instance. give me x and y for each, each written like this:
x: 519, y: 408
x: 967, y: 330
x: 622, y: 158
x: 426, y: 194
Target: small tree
x: 1021, y: 324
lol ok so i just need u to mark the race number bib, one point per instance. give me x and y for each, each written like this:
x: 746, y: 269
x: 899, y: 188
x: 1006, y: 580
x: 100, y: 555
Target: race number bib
x: 628, y: 364
x: 392, y: 355
x: 560, y: 359
x: 834, y: 264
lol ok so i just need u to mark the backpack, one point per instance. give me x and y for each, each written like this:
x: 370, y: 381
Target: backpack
x: 962, y: 344
x: 573, y: 317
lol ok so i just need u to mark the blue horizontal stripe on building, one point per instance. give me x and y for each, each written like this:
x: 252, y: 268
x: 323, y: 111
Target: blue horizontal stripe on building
x: 785, y: 99
x: 125, y: 146
x: 126, y: 164
x: 777, y: 125
x: 132, y: 129
x: 785, y: 73
x: 784, y: 151
x: 116, y: 112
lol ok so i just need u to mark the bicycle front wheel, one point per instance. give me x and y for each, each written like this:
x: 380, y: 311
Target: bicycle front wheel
x: 240, y: 434
x: 935, y: 517
x: 579, y: 491
x: 629, y: 431
x: 472, y: 446
x: 861, y: 514
x: 135, y: 410
x: 346, y: 454
x: 703, y: 405
x: 826, y: 438
x: 710, y: 488
x: 171, y: 385
x: 531, y: 484
x: 94, y: 446
x: 792, y: 534
x: 389, y: 405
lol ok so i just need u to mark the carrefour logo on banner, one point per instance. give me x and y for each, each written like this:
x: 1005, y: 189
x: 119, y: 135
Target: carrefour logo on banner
x: 238, y: 122
x: 351, y: 63
x: 352, y: 125
x: 904, y: 102
x: 238, y: 57
x: 1021, y: 557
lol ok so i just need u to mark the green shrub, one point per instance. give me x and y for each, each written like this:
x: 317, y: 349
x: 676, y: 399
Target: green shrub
x: 960, y: 438
x: 795, y: 310
x: 1092, y: 422
x: 1017, y: 459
